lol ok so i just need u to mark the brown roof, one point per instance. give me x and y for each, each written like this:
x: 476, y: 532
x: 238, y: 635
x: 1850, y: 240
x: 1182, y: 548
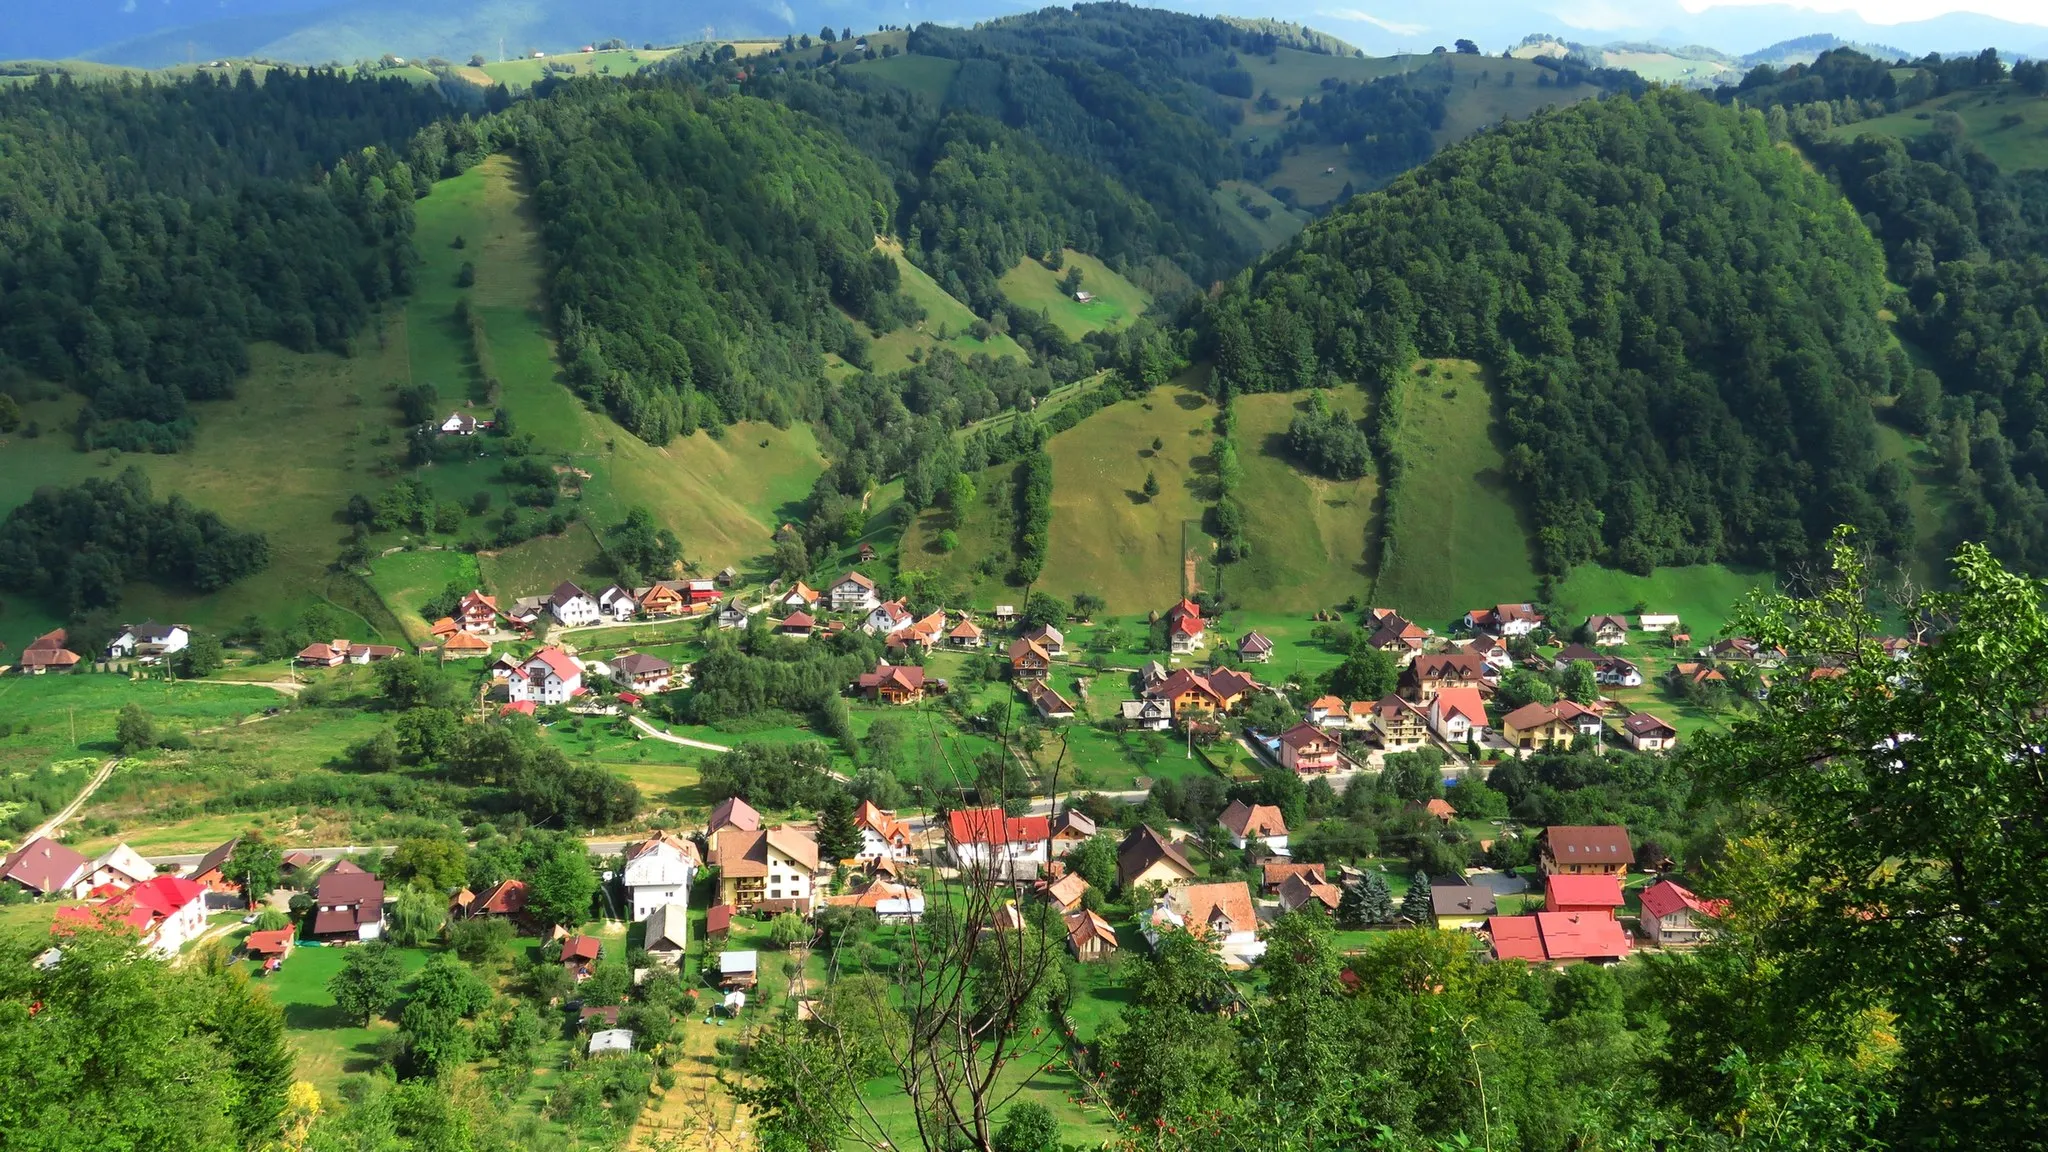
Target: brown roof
x: 1534, y: 714
x: 1644, y: 724
x: 215, y: 860
x: 640, y: 663
x: 1231, y: 900
x: 346, y: 883
x: 1021, y: 649
x: 581, y: 948
x: 965, y: 630
x: 1448, y: 666
x: 1143, y: 848
x: 797, y: 620
x: 1254, y: 642
x: 43, y: 865
x: 908, y: 677
x: 1253, y: 819
x: 1075, y: 821
x: 1302, y: 736
x: 1084, y: 926
x: 745, y: 854
x: 1277, y: 872
x: 1588, y: 844
x: 1462, y: 900
x: 1068, y: 889
x: 505, y: 898
x: 857, y: 578
x: 733, y: 812
x: 1296, y: 891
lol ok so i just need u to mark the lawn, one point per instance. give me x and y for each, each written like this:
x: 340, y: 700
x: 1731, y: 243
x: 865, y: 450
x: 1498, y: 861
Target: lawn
x: 534, y: 568
x: 986, y: 531
x: 1116, y: 301
x: 407, y: 580
x: 1931, y: 499
x: 1239, y: 199
x: 329, y: 1046
x: 2013, y: 147
x: 1452, y: 538
x: 928, y: 76
x: 1311, y: 538
x: 73, y: 716
x: 944, y: 317
x: 1702, y: 595
x: 526, y: 70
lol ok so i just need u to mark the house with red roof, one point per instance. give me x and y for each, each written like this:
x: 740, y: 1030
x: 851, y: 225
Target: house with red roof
x: 799, y: 624
x: 732, y: 812
x: 164, y: 912
x: 47, y: 653
x: 1259, y: 824
x: 853, y: 593
x: 1305, y: 748
x: 1675, y: 918
x: 1505, y: 620
x: 1585, y: 849
x: 549, y: 676
x: 980, y: 837
x: 47, y: 868
x: 269, y: 948
x: 1557, y: 937
x: 477, y: 612
x: 1187, y: 635
x: 1593, y: 894
x: 1457, y: 714
x: 892, y: 683
x: 882, y: 835
x: 579, y: 955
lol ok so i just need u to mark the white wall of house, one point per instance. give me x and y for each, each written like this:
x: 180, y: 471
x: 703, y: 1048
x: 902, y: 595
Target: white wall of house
x: 186, y: 924
x: 548, y: 689
x: 661, y: 876
x: 787, y: 879
x: 576, y: 611
x: 973, y: 855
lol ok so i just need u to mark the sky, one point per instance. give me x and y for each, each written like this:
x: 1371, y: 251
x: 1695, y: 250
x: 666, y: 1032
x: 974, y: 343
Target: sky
x: 1897, y: 11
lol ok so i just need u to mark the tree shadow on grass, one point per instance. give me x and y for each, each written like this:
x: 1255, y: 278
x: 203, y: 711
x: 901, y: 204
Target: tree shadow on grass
x: 312, y: 1017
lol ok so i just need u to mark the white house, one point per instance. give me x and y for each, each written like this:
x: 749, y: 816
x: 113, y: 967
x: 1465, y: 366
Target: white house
x: 120, y: 865
x: 658, y: 872
x: 617, y: 603
x: 1150, y: 715
x: 1223, y: 913
x: 980, y: 837
x: 461, y: 424
x: 853, y: 593
x: 573, y: 607
x: 886, y: 617
x: 549, y: 676
x: 1617, y: 672
x: 148, y: 641
x: 1656, y: 622
x: 1457, y: 714
x: 1255, y: 823
x: 166, y: 912
x: 882, y: 835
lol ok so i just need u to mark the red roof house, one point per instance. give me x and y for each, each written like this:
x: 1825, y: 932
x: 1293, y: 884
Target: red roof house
x: 1600, y: 894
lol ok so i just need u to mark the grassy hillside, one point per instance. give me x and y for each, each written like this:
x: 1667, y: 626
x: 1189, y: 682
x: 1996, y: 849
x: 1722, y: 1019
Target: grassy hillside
x: 2014, y: 147
x: 928, y: 76
x: 1114, y: 301
x: 1931, y: 499
x: 942, y: 312
x: 1701, y: 594
x: 1239, y: 200
x: 1453, y: 538
x: 526, y: 71
x: 1668, y: 68
x: 407, y: 580
x: 1311, y: 538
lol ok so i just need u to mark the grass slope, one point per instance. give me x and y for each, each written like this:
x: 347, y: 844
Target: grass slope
x: 1453, y: 537
x: 1238, y: 199
x: 1700, y: 594
x: 406, y: 580
x: 1310, y: 537
x: 1116, y: 301
x: 928, y: 76
x: 2013, y: 147
x: 527, y: 71
x: 1931, y: 499
x: 892, y: 349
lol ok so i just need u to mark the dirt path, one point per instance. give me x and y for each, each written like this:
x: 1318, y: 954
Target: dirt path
x: 696, y: 1115
x: 54, y: 823
x: 672, y: 738
x: 288, y: 687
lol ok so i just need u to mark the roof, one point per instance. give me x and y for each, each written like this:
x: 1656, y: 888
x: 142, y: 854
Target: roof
x: 1516, y: 938
x: 1561, y: 891
x: 856, y: 578
x: 734, y: 963
x: 884, y: 824
x: 1303, y: 735
x: 1391, y: 707
x: 581, y: 948
x: 1296, y: 891
x: 1575, y: 652
x: 268, y: 943
x: 1142, y: 848
x: 733, y: 812
x: 164, y: 895
x: 1588, y: 844
x: 150, y: 631
x: 125, y: 860
x: 1665, y: 897
x: 1581, y: 935
x: 1644, y: 724
x: 1253, y: 819
x: 801, y: 591
x: 522, y: 707
x: 1020, y: 649
x: 1440, y: 808
x: 1327, y: 704
x: 1047, y: 699
x: 660, y: 839
x: 1188, y: 626
x: 1534, y: 714
x: 1277, y: 872
x: 1460, y: 702
x: 1596, y: 623
x: 669, y: 923
x: 1462, y: 665
x: 215, y: 860
x: 1073, y: 820
x: 49, y: 641
x: 718, y: 918
x: 464, y: 642
x: 908, y: 677
x: 1254, y: 642
x: 741, y: 853
x: 965, y: 630
x: 611, y: 1040
x: 505, y: 898
x: 567, y: 590
x: 798, y: 619
x: 43, y: 865
x: 1202, y: 903
x: 1068, y: 889
x: 1462, y: 900
x: 1184, y: 609
x: 347, y: 883
x: 991, y: 826
x: 557, y: 661
x: 1085, y: 926
x: 640, y: 664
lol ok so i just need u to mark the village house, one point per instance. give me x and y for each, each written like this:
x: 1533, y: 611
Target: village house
x: 1694, y: 675
x: 658, y: 872
x: 1066, y: 892
x: 1304, y: 748
x: 1329, y: 712
x: 1615, y: 672
x: 1557, y: 937
x: 477, y: 612
x: 1146, y: 857
x: 1587, y: 722
x: 460, y: 646
x: 549, y: 676
x: 732, y: 812
x: 118, y: 867
x: 737, y: 970
x: 1435, y: 672
x: 1675, y: 918
x: 1148, y: 715
x: 1397, y: 638
x: 1599, y: 894
x: 1400, y: 725
x: 853, y: 593
x: 1504, y: 620
x: 892, y: 683
x: 1221, y: 913
x: 1274, y: 873
x: 966, y: 634
x: 1645, y: 733
x: 923, y: 634
x: 1254, y: 648
x: 641, y: 672
x: 506, y: 898
x: 1607, y: 631
x: 211, y: 871
x: 148, y: 641
x: 268, y: 949
x: 798, y: 625
x: 1585, y: 850
x: 661, y: 598
x: 1494, y: 656
x: 1457, y: 714
x: 1047, y: 637
x: 773, y: 869
x: 1196, y: 693
x: 1187, y: 635
x: 667, y: 933
x: 891, y: 902
x: 579, y: 956
x: 1049, y: 704
x: 164, y: 912
x: 47, y: 868
x: 1656, y: 622
x: 462, y: 423
x: 1255, y: 825
x: 1571, y: 654
x: 982, y: 837
x: 348, y: 904
x: 882, y: 835
x: 617, y: 604
x: 1439, y: 810
x: 1296, y: 892
x: 1028, y: 661
x: 886, y: 617
x: 1535, y: 726
x: 1089, y: 936
x: 47, y: 653
x: 730, y: 617
x: 335, y: 653
x: 572, y: 607
x: 1461, y: 907
x: 1069, y: 828
x: 801, y: 595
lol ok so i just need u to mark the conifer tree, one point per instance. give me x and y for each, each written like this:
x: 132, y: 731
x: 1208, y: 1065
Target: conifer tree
x: 1415, y: 906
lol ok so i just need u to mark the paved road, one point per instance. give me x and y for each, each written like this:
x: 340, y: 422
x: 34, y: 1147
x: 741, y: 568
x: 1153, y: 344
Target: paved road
x: 56, y: 822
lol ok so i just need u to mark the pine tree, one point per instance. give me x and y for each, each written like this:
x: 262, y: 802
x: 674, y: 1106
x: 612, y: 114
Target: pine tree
x: 838, y: 836
x: 1415, y: 906
x: 1366, y: 903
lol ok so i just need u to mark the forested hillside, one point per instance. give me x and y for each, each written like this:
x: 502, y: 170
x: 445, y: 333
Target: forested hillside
x: 1681, y: 320
x: 147, y: 232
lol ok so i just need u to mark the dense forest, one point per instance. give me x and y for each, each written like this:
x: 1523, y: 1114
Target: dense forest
x: 1969, y: 243
x: 1681, y: 319
x: 149, y: 231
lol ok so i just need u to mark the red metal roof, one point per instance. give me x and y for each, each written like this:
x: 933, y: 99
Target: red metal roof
x: 1516, y: 938
x: 1561, y: 891
x: 990, y: 826
x: 1582, y: 935
x: 1665, y: 897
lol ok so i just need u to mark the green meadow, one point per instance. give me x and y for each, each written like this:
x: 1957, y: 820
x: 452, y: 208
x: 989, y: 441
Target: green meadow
x: 1114, y: 303
x: 1312, y: 539
x: 2009, y: 125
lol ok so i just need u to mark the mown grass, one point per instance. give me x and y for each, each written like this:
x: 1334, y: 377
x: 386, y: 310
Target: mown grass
x: 1115, y: 301
x: 1453, y: 538
x: 928, y: 76
x: 1311, y: 538
x: 943, y: 315
x: 536, y: 566
x: 527, y: 71
x: 2013, y: 147
x: 74, y: 716
x: 1702, y: 595
x: 407, y: 580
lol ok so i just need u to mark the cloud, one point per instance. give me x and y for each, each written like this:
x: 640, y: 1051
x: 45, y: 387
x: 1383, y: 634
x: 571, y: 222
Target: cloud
x: 1360, y: 17
x: 1896, y: 11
